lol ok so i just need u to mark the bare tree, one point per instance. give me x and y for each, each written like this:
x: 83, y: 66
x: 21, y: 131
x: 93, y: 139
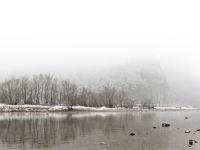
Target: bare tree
x: 121, y: 97
x: 25, y: 89
x: 108, y: 94
x: 83, y: 98
x: 68, y: 93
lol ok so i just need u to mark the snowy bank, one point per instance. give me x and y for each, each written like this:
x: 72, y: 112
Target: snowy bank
x: 41, y: 108
x: 30, y: 108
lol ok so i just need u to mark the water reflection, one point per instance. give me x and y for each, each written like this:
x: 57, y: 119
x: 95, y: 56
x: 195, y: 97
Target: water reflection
x: 85, y: 131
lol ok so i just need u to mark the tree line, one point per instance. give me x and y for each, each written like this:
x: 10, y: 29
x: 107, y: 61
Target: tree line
x: 50, y: 90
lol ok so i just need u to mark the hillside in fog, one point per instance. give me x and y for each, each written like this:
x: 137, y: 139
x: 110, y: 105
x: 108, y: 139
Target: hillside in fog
x: 147, y: 81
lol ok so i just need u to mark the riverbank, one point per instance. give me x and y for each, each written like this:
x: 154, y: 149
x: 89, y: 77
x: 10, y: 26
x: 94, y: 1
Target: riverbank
x: 41, y: 108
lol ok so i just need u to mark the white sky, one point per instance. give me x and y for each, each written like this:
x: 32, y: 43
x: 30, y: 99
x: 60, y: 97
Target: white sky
x: 60, y: 35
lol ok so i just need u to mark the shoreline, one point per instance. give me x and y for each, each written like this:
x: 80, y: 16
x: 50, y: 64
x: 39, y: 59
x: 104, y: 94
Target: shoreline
x: 57, y: 108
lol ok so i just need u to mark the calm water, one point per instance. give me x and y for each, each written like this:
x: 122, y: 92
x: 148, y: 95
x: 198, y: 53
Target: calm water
x: 85, y: 131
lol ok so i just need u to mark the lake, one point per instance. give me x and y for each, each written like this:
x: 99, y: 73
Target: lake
x: 99, y: 130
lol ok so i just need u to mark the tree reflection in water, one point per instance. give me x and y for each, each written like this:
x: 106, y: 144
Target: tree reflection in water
x: 84, y: 131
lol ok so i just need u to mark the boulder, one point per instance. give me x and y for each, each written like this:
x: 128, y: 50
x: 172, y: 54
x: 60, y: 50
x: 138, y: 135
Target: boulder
x: 190, y: 142
x: 165, y: 124
x: 102, y: 143
x: 132, y: 134
x: 187, y: 131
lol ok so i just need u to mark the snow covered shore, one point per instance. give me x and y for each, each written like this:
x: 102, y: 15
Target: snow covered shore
x: 41, y: 108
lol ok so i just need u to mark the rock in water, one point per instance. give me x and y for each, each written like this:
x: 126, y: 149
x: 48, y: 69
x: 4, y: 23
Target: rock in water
x: 154, y: 127
x: 132, y: 134
x: 187, y: 131
x: 102, y: 143
x: 165, y: 124
x: 190, y: 142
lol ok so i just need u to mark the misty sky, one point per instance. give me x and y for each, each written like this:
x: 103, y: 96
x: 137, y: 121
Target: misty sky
x: 56, y: 35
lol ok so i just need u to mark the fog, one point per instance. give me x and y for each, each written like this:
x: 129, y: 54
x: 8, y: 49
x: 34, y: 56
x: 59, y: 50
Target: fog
x: 72, y: 39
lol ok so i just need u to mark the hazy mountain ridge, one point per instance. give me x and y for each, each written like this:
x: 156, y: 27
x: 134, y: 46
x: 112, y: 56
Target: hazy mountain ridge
x: 147, y: 81
x: 142, y: 80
